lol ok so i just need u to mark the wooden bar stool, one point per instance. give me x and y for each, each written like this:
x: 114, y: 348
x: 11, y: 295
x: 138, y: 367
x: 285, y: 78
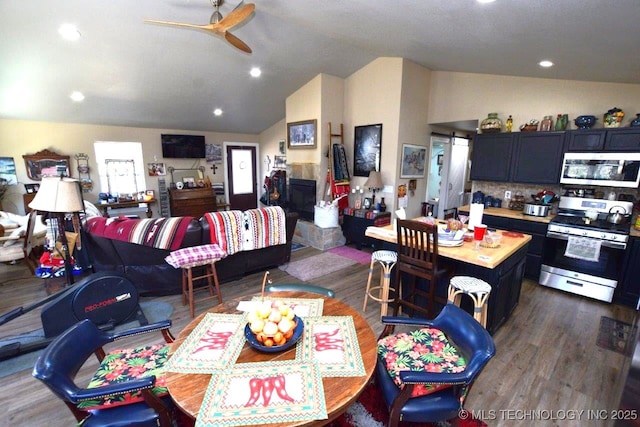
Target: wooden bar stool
x: 387, y: 260
x: 198, y: 256
x: 477, y: 289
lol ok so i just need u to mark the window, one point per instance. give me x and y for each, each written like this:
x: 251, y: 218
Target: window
x: 120, y: 167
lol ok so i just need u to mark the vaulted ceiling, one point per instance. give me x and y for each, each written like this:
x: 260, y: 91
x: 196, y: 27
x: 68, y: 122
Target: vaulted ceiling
x: 148, y: 75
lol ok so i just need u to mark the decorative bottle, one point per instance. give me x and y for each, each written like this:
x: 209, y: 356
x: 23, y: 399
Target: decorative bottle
x: 635, y: 122
x: 491, y: 124
x: 546, y: 124
x: 509, y: 124
x: 383, y: 206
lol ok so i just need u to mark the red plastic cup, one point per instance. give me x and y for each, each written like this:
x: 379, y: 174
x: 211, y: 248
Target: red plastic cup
x: 478, y: 231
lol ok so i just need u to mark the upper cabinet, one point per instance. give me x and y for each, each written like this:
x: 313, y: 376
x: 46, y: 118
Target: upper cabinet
x: 491, y: 158
x: 526, y: 157
x: 586, y: 140
x: 626, y: 139
x: 538, y: 157
x: 616, y: 139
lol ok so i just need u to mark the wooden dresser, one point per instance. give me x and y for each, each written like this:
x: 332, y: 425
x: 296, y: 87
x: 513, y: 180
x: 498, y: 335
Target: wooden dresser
x: 192, y: 202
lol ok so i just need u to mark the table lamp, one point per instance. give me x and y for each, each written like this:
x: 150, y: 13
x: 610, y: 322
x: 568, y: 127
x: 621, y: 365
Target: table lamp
x: 59, y: 196
x: 374, y: 183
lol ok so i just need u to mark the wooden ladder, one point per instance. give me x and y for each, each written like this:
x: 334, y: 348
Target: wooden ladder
x: 332, y: 188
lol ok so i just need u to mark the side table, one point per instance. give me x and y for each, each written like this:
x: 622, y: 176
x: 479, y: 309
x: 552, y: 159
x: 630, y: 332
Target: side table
x: 356, y: 221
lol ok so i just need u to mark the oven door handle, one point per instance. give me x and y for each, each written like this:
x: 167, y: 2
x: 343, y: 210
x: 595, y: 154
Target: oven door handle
x: 605, y: 243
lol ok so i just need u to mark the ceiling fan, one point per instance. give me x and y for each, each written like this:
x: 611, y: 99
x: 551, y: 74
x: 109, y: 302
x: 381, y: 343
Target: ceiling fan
x: 220, y: 25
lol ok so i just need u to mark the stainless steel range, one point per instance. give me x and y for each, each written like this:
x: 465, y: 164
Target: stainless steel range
x: 585, y: 245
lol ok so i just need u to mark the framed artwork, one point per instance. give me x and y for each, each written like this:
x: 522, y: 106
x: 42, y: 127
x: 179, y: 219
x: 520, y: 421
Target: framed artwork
x: 413, y: 161
x: 189, y: 181
x: 279, y: 162
x: 156, y: 169
x: 301, y: 134
x: 440, y: 159
x: 213, y: 153
x: 8, y: 171
x: 368, y: 202
x: 367, y: 146
x: 46, y: 163
x: 282, y: 146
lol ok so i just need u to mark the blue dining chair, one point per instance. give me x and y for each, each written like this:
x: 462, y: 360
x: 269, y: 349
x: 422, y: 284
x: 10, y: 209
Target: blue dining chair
x: 454, y: 343
x: 108, y: 400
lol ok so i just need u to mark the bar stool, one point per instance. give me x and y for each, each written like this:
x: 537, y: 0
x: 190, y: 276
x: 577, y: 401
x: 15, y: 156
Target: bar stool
x: 198, y: 256
x: 387, y: 260
x: 477, y: 289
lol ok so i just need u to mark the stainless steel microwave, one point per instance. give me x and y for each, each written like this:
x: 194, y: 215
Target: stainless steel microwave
x: 603, y: 169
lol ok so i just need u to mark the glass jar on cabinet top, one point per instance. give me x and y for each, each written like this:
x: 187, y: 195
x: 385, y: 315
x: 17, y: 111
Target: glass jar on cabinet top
x: 546, y: 124
x: 491, y: 124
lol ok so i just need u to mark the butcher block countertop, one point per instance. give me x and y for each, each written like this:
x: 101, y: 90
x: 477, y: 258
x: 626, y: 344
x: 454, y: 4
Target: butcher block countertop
x: 508, y: 213
x: 485, y: 257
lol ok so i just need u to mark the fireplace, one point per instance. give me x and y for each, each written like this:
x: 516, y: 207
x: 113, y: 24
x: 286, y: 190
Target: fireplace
x: 302, y: 197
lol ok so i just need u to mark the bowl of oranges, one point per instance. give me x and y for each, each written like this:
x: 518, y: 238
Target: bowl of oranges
x: 272, y: 327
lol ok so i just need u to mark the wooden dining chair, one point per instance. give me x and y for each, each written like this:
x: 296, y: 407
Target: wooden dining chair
x: 417, y: 259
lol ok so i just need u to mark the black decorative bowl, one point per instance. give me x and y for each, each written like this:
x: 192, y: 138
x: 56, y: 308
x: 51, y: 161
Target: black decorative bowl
x: 585, y: 122
x: 253, y: 342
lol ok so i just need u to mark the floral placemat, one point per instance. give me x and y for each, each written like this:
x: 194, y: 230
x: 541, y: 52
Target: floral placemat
x: 263, y: 393
x: 303, y: 307
x: 331, y: 342
x: 214, y: 344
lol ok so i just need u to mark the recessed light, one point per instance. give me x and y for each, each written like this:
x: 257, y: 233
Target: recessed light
x: 486, y: 1
x: 77, y: 96
x: 69, y: 32
x: 217, y: 112
x: 255, y: 72
x: 545, y: 64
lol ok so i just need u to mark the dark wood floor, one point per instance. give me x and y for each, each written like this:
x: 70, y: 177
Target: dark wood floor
x: 547, y: 358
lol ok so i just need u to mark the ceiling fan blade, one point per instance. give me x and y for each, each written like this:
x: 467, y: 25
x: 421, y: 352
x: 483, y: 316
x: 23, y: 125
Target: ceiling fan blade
x: 237, y: 42
x: 179, y: 24
x: 236, y: 16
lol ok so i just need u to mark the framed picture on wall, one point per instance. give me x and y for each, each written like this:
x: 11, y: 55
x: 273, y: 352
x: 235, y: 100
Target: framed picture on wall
x: 301, y: 134
x: 367, y: 147
x: 413, y: 161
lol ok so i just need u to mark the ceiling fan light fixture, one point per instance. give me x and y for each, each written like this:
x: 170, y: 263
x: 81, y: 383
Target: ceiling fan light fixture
x: 215, y: 17
x: 69, y: 32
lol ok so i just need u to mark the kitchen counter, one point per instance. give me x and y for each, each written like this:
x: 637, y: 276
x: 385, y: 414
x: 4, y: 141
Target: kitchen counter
x: 502, y: 267
x: 508, y: 213
x: 485, y: 257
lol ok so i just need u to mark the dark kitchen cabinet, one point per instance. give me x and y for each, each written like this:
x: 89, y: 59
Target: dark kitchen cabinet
x: 537, y: 230
x: 626, y: 139
x: 586, y: 140
x: 538, y: 157
x: 628, y: 290
x: 491, y: 158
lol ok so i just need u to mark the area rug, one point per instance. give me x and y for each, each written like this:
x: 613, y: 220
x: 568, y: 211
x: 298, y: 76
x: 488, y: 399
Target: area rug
x: 368, y: 411
x: 361, y: 257
x: 316, y: 266
x: 154, y: 311
x: 614, y: 335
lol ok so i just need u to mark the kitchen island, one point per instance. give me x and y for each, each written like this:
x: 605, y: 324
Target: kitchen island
x: 501, y: 267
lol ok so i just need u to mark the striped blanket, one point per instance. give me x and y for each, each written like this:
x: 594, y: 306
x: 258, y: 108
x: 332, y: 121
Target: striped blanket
x: 226, y: 227
x: 160, y: 233
x: 264, y: 227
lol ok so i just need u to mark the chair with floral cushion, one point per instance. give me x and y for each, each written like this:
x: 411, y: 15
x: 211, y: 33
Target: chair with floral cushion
x: 425, y: 374
x: 128, y: 389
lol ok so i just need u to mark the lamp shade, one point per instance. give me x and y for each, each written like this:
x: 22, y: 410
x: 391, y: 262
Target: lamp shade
x: 58, y: 195
x: 374, y: 181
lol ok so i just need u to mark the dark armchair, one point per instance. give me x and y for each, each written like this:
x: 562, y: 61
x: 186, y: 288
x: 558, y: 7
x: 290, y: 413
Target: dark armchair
x: 128, y: 397
x: 464, y: 338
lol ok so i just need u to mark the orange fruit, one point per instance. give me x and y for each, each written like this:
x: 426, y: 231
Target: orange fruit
x: 268, y: 342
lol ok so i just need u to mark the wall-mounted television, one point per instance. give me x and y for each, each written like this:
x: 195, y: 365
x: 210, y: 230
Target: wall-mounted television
x: 183, y: 146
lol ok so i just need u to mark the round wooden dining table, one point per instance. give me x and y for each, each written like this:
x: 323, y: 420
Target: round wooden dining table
x: 188, y: 390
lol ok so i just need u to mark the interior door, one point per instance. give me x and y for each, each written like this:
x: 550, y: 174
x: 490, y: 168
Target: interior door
x: 456, y: 154
x: 241, y: 176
